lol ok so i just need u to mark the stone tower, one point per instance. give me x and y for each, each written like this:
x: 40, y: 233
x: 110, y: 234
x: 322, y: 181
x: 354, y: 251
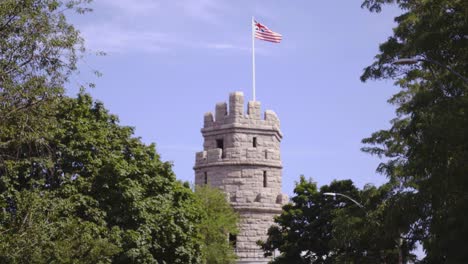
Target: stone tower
x: 241, y: 156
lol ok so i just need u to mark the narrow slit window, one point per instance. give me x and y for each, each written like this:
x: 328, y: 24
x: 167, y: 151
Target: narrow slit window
x: 233, y: 240
x: 254, y: 142
x: 220, y: 144
x: 266, y: 154
x: 265, y: 180
x: 205, y: 177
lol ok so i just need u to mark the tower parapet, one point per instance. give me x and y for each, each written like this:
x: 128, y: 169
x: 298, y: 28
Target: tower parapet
x: 236, y: 116
x: 241, y: 156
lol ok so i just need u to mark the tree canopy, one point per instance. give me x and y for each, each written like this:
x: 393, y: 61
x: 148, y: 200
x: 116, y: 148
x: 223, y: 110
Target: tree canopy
x: 75, y: 185
x: 39, y: 50
x: 219, y: 221
x: 425, y: 153
x: 426, y: 147
x: 106, y: 187
x: 315, y: 228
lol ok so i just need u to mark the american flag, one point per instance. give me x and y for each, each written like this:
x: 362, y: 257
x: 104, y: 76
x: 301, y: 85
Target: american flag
x: 264, y: 33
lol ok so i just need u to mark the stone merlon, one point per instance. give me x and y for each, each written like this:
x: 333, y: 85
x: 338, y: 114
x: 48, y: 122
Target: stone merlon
x: 238, y: 118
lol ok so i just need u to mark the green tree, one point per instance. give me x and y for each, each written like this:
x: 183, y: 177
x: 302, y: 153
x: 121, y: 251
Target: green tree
x: 38, y: 53
x: 219, y: 220
x: 315, y: 228
x: 39, y: 50
x: 75, y: 186
x: 303, y: 231
x: 374, y: 232
x: 109, y: 190
x: 39, y: 232
x: 427, y: 145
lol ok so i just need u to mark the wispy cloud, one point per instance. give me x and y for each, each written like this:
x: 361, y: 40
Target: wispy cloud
x: 206, y: 10
x: 114, y: 39
x: 132, y: 7
x: 234, y: 47
x: 263, y: 12
x: 161, y: 26
x: 225, y: 46
x: 111, y: 38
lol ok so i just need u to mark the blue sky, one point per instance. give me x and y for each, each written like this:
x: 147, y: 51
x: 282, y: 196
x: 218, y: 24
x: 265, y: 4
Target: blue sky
x: 169, y: 62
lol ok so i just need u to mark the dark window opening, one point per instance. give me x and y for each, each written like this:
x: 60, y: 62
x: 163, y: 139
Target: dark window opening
x: 264, y: 179
x: 254, y: 142
x: 233, y: 240
x: 206, y: 177
x: 220, y: 144
x: 266, y: 154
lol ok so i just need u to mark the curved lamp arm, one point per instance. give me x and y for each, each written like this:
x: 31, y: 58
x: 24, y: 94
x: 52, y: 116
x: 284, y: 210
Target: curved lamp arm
x: 408, y: 61
x: 346, y: 196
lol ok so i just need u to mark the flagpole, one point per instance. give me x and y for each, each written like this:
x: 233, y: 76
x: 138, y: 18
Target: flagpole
x: 253, y: 57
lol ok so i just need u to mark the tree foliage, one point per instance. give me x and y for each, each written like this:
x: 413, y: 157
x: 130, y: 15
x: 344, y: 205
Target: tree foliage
x: 303, y: 230
x: 39, y: 50
x: 219, y: 220
x: 106, y: 187
x: 315, y: 228
x: 75, y: 186
x: 376, y: 232
x: 427, y: 146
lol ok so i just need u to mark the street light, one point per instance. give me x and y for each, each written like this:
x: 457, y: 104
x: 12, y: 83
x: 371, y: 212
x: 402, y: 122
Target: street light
x: 351, y: 199
x: 411, y: 61
x: 399, y: 241
x: 346, y: 196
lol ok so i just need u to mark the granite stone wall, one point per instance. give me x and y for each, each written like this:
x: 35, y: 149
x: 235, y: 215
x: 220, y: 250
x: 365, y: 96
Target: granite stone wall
x: 241, y: 156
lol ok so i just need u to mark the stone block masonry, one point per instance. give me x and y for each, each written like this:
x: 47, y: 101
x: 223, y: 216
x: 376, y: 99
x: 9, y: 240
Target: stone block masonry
x: 241, y: 156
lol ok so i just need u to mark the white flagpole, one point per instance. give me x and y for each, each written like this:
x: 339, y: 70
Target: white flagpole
x: 253, y: 57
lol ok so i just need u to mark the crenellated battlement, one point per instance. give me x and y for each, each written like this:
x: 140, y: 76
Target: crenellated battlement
x: 236, y: 116
x: 241, y: 156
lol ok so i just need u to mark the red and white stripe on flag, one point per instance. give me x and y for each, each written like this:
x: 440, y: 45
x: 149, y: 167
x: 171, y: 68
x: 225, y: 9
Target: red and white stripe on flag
x: 264, y: 33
